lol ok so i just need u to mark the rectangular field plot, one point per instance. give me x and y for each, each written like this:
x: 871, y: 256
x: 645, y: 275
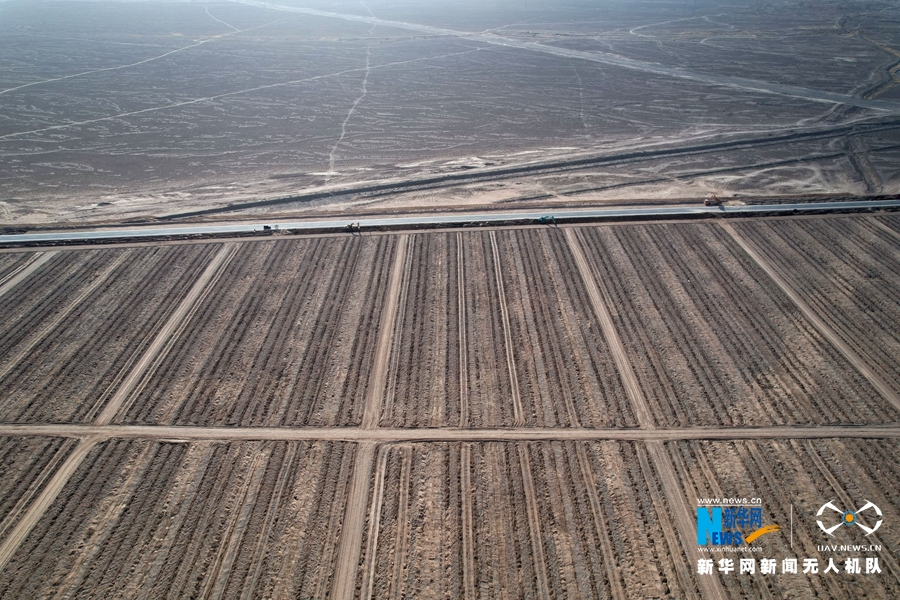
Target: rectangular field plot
x: 803, y: 474
x: 25, y: 466
x: 143, y: 519
x: 848, y: 271
x: 77, y: 324
x: 285, y: 336
x: 713, y: 340
x: 532, y: 351
x: 12, y: 263
x: 519, y: 520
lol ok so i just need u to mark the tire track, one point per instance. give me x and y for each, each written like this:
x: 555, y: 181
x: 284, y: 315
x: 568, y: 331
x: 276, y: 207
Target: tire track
x: 518, y: 416
x: 171, y: 330
x: 372, y: 410
x: 874, y: 378
x: 23, y: 271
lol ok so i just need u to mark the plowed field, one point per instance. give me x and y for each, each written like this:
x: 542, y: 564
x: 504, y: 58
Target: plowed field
x: 529, y: 412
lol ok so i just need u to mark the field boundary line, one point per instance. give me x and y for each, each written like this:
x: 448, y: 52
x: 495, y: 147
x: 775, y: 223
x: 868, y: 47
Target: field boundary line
x: 59, y: 318
x: 174, y: 322
x: 32, y: 264
x: 773, y: 272
x: 461, y: 330
x: 353, y: 524
x: 617, y: 349
x: 178, y: 433
x: 45, y: 499
x: 372, y: 409
x: 518, y: 416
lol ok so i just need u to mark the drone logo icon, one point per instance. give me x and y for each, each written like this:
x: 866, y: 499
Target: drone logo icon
x: 849, y: 518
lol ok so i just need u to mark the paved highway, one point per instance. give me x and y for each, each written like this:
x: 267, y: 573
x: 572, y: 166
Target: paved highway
x: 415, y: 221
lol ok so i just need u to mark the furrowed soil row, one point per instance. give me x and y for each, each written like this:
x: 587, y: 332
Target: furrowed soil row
x: 566, y: 375
x: 892, y: 222
x: 804, y: 475
x: 873, y: 377
x: 488, y: 379
x: 18, y: 267
x: 112, y: 528
x: 48, y: 494
x: 847, y: 274
x: 26, y: 349
x: 600, y: 525
x: 423, y: 382
x: 345, y: 333
x: 232, y: 311
x: 122, y: 313
x: 518, y: 415
x: 686, y: 332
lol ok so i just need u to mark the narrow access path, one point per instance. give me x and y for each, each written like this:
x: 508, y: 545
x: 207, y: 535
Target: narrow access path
x: 461, y: 325
x: 772, y: 271
x: 383, y: 435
